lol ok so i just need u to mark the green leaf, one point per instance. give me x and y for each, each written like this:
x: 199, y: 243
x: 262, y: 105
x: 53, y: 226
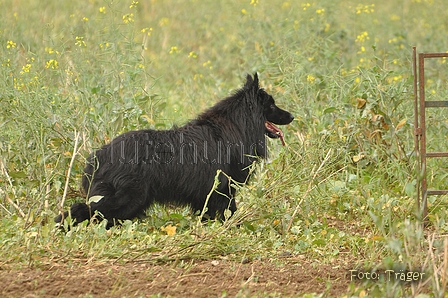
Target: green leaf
x: 18, y: 174
x: 409, y: 188
x: 95, y: 199
x: 330, y: 110
x: 319, y: 242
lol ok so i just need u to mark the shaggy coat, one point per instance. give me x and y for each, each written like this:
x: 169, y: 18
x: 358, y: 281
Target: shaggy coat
x: 178, y: 166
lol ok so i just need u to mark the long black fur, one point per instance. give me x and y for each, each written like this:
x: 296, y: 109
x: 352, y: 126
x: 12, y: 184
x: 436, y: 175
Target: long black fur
x: 178, y: 166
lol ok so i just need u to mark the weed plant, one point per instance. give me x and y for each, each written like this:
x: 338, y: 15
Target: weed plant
x: 342, y: 192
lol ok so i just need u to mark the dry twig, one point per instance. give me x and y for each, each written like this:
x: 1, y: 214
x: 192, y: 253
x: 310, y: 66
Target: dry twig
x: 5, y: 172
x: 75, y: 151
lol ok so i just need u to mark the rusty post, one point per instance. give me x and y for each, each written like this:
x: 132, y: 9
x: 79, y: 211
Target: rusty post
x: 420, y: 105
x: 421, y: 88
x: 417, y: 130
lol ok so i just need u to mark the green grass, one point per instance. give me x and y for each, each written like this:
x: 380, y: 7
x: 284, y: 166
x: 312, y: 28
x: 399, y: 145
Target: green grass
x: 90, y: 70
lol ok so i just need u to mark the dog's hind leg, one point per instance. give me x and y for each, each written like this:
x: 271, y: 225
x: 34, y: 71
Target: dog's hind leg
x: 126, y: 202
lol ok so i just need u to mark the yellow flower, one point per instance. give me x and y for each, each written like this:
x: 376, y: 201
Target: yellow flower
x: 208, y: 64
x: 128, y: 18
x: 393, y: 40
x: 133, y: 4
x: 286, y: 5
x: 395, y: 17
x: 398, y: 78
x: 310, y: 78
x: 85, y: 19
x: 10, y: 44
x: 243, y: 11
x: 365, y: 9
x: 320, y: 11
x: 52, y: 63
x: 6, y: 63
x: 174, y: 50
x: 147, y: 31
x: 26, y: 68
x: 192, y: 55
x: 164, y: 22
x: 18, y: 84
x: 169, y: 230
x: 80, y: 41
x: 362, y: 37
x: 49, y: 50
x: 296, y: 25
x: 254, y: 2
x: 103, y: 9
x: 197, y: 77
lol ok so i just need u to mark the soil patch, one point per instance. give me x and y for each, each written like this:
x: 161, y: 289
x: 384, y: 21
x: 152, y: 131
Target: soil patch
x: 281, y: 277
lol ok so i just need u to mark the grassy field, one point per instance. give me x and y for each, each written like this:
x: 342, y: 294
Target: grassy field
x: 341, y: 196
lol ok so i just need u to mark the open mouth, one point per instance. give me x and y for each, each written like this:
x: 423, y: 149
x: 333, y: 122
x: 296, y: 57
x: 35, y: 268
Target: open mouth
x: 274, y: 132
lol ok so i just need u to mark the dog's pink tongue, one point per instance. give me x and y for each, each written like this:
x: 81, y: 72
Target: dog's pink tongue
x: 275, y: 130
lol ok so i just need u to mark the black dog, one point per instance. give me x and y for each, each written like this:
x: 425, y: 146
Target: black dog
x: 178, y: 166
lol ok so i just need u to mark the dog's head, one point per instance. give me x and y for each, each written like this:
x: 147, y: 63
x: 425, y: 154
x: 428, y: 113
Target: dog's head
x: 273, y: 114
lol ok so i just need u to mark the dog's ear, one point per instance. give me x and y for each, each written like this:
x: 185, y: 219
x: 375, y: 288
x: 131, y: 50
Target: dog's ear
x: 252, y: 83
x: 249, y: 82
x: 256, y: 83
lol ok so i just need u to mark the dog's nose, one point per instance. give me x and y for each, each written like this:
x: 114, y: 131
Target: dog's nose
x: 291, y: 117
